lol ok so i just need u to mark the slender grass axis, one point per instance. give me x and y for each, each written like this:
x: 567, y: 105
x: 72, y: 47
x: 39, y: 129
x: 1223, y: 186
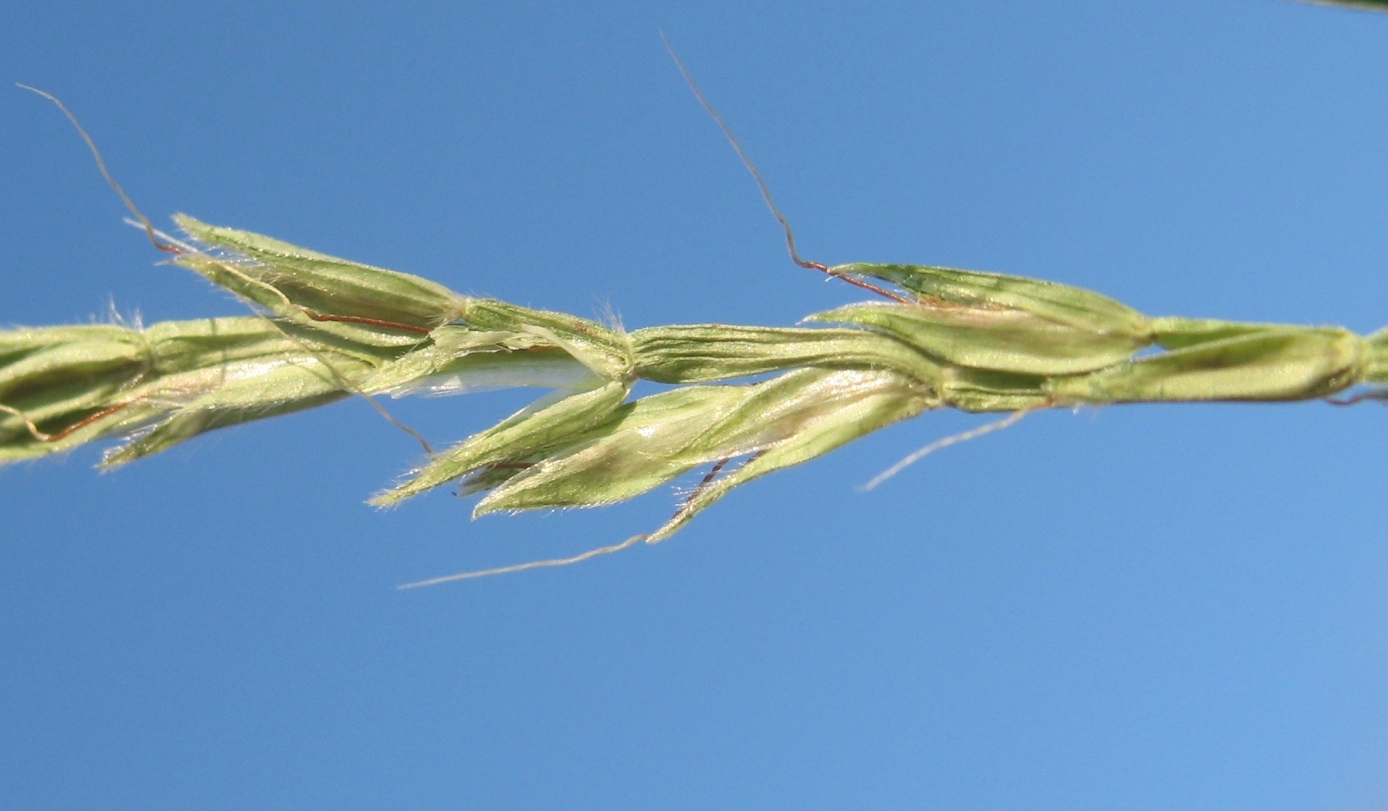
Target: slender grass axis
x: 742, y: 401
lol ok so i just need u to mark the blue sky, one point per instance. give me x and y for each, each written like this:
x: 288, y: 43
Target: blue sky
x: 1137, y: 607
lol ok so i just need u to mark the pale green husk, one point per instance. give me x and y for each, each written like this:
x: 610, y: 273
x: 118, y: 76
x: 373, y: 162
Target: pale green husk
x: 750, y: 400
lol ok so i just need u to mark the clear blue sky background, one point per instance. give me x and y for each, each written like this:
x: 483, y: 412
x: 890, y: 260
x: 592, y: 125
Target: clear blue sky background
x: 1138, y: 607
